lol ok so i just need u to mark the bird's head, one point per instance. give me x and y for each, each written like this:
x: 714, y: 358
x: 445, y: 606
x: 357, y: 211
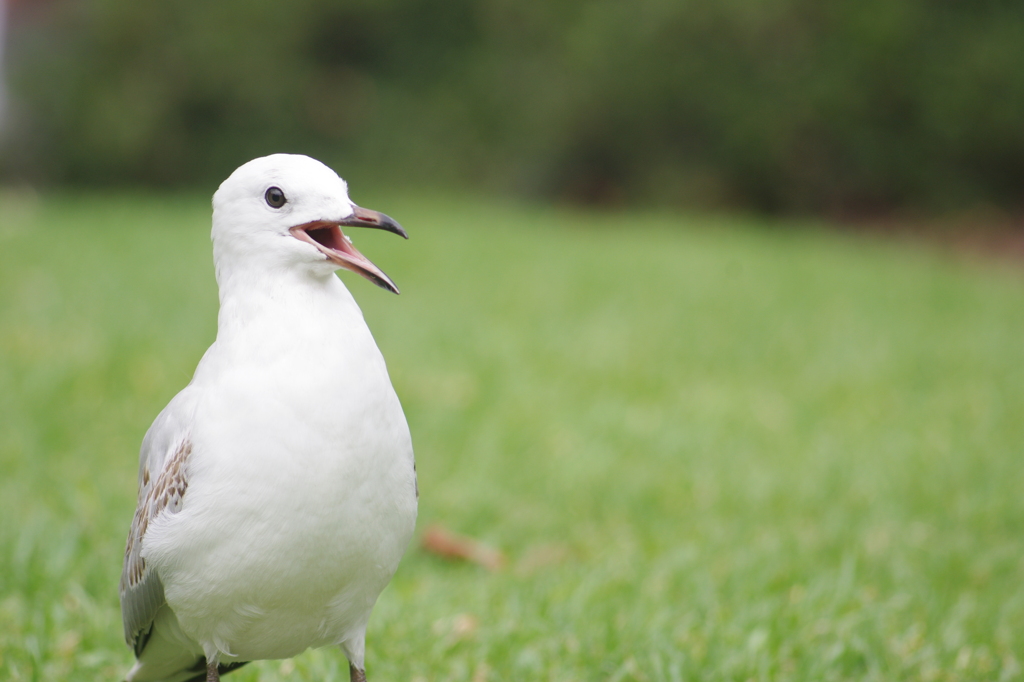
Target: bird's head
x: 288, y: 210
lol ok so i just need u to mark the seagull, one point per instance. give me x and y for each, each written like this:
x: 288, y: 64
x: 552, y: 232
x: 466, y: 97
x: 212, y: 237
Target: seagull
x: 277, y: 491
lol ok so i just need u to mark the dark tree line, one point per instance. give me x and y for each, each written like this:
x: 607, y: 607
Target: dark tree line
x: 786, y: 105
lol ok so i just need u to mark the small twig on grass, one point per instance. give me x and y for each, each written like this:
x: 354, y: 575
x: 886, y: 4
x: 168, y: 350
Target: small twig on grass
x: 449, y: 545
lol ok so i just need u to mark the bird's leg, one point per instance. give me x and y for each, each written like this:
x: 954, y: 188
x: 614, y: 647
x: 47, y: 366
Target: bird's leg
x: 212, y: 673
x: 355, y: 674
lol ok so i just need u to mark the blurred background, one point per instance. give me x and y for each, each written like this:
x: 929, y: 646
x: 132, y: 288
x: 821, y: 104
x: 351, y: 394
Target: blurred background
x: 850, y: 108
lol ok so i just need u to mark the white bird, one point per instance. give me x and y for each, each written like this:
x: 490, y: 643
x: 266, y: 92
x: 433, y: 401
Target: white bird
x: 277, y: 491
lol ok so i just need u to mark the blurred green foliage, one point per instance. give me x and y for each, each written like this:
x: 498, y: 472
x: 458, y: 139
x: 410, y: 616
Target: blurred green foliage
x: 789, y: 105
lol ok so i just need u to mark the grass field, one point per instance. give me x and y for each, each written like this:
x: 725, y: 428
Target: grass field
x: 711, y: 449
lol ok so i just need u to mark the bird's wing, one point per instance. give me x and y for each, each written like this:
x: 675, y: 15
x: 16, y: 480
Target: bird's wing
x: 162, y: 484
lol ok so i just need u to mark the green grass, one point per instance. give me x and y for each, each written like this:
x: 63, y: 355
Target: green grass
x: 712, y: 449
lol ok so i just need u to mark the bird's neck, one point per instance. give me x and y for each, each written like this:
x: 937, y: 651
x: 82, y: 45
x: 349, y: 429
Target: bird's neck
x: 290, y: 307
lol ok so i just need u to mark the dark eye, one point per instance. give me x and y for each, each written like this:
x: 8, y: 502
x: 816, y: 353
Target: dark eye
x: 275, y: 197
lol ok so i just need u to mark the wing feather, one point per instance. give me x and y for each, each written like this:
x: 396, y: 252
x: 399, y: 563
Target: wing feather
x: 163, y: 481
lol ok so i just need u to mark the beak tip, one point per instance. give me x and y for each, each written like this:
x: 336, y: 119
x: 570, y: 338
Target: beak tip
x: 364, y: 217
x: 397, y: 229
x: 384, y: 282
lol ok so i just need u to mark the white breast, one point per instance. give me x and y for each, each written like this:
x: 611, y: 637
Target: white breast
x: 301, y: 495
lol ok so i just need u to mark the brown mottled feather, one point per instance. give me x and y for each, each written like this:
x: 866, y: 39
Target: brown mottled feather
x: 165, y: 494
x: 142, y: 593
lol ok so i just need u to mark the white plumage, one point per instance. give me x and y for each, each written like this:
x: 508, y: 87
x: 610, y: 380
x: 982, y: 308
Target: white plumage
x: 277, y: 491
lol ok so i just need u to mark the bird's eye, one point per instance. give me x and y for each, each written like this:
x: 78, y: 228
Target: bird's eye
x: 275, y: 197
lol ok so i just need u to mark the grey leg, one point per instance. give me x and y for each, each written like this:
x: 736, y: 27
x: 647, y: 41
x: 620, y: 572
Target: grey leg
x: 212, y: 675
x: 355, y: 674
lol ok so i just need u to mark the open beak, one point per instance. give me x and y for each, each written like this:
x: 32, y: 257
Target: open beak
x: 327, y: 237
